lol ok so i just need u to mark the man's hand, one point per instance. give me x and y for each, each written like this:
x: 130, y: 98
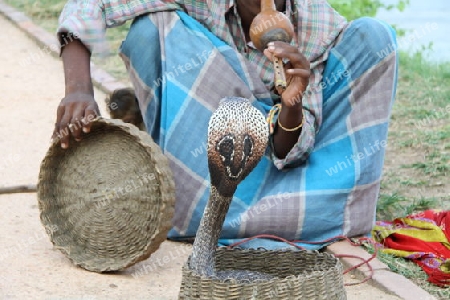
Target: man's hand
x: 75, y: 114
x: 297, y: 71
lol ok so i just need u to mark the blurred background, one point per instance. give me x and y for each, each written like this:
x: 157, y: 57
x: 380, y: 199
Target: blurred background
x: 422, y: 25
x: 426, y: 25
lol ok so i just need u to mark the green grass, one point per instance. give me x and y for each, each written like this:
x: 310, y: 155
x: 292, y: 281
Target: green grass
x: 353, y: 9
x: 391, y: 206
x: 418, y: 154
x: 420, y: 122
x: 416, y: 175
x: 411, y: 271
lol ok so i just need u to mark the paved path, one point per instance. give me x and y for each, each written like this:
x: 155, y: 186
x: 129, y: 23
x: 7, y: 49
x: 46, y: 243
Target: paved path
x: 30, y: 267
x: 426, y: 22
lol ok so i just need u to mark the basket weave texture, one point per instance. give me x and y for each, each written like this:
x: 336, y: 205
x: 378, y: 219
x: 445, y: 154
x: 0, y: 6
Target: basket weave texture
x: 299, y: 275
x: 107, y: 201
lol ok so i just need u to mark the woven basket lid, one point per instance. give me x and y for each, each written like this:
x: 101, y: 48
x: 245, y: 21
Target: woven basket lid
x: 107, y: 201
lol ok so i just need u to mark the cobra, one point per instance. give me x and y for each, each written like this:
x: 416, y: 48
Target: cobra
x: 237, y: 139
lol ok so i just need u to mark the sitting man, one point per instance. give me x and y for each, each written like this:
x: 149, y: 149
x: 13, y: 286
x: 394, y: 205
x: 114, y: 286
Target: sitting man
x: 321, y: 175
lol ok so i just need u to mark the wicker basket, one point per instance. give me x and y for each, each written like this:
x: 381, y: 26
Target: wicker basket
x: 107, y: 201
x: 304, y: 274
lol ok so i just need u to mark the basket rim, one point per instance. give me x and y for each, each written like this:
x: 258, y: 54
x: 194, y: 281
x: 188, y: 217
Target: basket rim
x: 334, y: 267
x: 329, y: 282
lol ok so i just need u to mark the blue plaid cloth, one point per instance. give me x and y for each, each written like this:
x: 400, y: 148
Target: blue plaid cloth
x: 181, y: 71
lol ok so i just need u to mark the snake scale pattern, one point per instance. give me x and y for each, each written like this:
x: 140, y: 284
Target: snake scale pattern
x: 237, y: 138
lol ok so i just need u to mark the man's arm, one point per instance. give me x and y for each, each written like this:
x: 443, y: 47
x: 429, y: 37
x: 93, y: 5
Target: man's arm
x: 76, y: 61
x: 88, y: 20
x: 78, y: 107
x: 291, y: 115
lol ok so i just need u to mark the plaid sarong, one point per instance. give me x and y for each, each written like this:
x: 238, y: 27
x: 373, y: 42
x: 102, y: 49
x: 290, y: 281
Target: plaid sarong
x: 181, y: 71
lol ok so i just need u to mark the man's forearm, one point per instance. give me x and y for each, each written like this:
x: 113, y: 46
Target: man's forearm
x: 77, y: 72
x: 289, y: 117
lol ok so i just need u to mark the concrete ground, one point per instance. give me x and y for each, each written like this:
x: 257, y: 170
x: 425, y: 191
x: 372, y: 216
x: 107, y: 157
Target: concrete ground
x: 32, y: 85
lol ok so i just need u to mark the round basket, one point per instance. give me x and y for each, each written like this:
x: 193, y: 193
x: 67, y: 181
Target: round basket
x: 107, y: 201
x: 298, y: 275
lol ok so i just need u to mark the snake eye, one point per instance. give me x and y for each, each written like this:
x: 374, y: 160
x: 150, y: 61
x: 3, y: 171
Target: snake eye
x: 225, y: 147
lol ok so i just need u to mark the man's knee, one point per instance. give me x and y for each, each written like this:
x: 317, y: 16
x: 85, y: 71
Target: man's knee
x: 378, y: 35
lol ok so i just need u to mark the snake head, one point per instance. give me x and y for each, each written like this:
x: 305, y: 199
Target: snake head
x: 237, y: 139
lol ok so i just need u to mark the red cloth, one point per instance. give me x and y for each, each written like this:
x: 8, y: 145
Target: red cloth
x: 432, y: 256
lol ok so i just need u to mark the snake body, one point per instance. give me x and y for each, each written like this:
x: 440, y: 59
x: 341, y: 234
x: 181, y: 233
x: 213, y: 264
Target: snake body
x: 237, y: 138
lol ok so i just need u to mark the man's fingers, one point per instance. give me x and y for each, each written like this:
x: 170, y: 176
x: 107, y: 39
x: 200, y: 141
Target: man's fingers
x: 59, y: 114
x: 64, y: 130
x: 74, y: 116
x: 299, y: 72
x: 75, y: 125
x: 297, y: 59
x: 91, y: 112
x: 268, y: 54
x: 287, y: 51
